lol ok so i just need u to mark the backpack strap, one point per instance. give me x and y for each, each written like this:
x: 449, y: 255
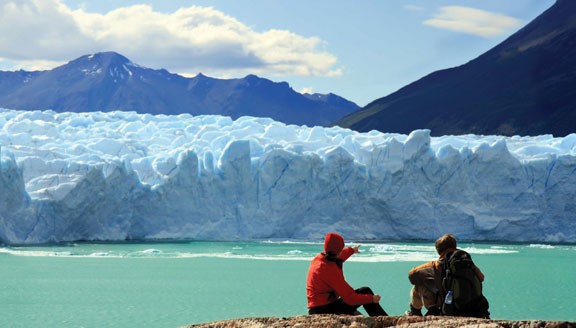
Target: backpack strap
x: 444, y: 264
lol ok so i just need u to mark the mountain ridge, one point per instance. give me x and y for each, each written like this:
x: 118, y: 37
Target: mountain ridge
x: 109, y: 81
x: 522, y: 86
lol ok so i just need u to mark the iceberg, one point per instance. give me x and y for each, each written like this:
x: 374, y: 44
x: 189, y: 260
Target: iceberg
x: 125, y: 176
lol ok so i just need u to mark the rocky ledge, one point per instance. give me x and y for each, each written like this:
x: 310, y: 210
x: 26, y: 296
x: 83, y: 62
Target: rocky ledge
x: 336, y: 321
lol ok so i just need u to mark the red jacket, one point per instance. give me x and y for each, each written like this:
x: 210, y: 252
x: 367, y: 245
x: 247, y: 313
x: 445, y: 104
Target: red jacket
x: 326, y: 283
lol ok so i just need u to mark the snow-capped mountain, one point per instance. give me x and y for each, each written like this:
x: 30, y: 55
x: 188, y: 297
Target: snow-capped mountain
x: 109, y: 81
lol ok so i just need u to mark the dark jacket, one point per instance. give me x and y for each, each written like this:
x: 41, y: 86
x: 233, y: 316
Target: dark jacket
x: 430, y: 274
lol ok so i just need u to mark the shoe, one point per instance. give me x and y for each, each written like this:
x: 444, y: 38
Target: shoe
x: 414, y: 312
x: 434, y: 310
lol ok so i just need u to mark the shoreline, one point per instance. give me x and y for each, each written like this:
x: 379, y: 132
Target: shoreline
x: 269, y: 240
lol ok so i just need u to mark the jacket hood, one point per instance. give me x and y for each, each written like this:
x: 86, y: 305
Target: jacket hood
x: 333, y: 243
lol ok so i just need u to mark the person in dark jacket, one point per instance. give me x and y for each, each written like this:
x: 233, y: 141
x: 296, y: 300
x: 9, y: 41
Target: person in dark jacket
x: 326, y: 289
x: 427, y: 280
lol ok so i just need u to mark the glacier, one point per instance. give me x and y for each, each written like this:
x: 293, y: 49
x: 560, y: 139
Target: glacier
x: 119, y: 176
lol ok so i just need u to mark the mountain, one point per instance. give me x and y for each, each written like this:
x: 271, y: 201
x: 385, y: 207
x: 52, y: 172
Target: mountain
x: 109, y: 81
x: 526, y: 85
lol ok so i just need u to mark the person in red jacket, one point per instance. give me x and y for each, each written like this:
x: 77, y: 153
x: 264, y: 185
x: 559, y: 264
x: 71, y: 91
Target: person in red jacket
x: 327, y: 290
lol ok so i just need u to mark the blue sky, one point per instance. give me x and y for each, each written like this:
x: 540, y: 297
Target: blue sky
x: 361, y: 50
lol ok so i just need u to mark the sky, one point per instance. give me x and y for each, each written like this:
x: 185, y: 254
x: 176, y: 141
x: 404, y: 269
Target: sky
x: 361, y: 50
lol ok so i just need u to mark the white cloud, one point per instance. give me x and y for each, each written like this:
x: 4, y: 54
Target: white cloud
x: 32, y: 65
x: 304, y: 90
x: 473, y: 21
x: 38, y: 29
x: 412, y: 7
x: 189, y: 40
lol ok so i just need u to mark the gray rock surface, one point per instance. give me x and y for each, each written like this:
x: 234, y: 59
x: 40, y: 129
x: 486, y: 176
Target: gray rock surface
x: 336, y: 321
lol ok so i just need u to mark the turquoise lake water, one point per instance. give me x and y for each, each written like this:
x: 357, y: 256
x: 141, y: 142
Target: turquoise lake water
x: 177, y: 284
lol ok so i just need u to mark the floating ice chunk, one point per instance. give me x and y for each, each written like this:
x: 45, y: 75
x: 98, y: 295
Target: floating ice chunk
x: 152, y: 251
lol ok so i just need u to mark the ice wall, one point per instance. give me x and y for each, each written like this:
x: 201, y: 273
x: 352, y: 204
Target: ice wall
x: 120, y: 175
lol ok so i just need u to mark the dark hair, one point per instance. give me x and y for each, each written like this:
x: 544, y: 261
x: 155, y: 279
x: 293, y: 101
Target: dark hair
x: 333, y: 258
x: 445, y: 242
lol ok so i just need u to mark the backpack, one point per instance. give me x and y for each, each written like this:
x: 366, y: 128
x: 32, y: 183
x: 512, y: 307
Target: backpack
x: 462, y: 288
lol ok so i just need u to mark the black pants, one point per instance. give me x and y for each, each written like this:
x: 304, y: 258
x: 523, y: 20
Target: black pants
x: 339, y: 307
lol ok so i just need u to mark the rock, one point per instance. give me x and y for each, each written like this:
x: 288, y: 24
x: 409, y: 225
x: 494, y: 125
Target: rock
x: 337, y: 321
